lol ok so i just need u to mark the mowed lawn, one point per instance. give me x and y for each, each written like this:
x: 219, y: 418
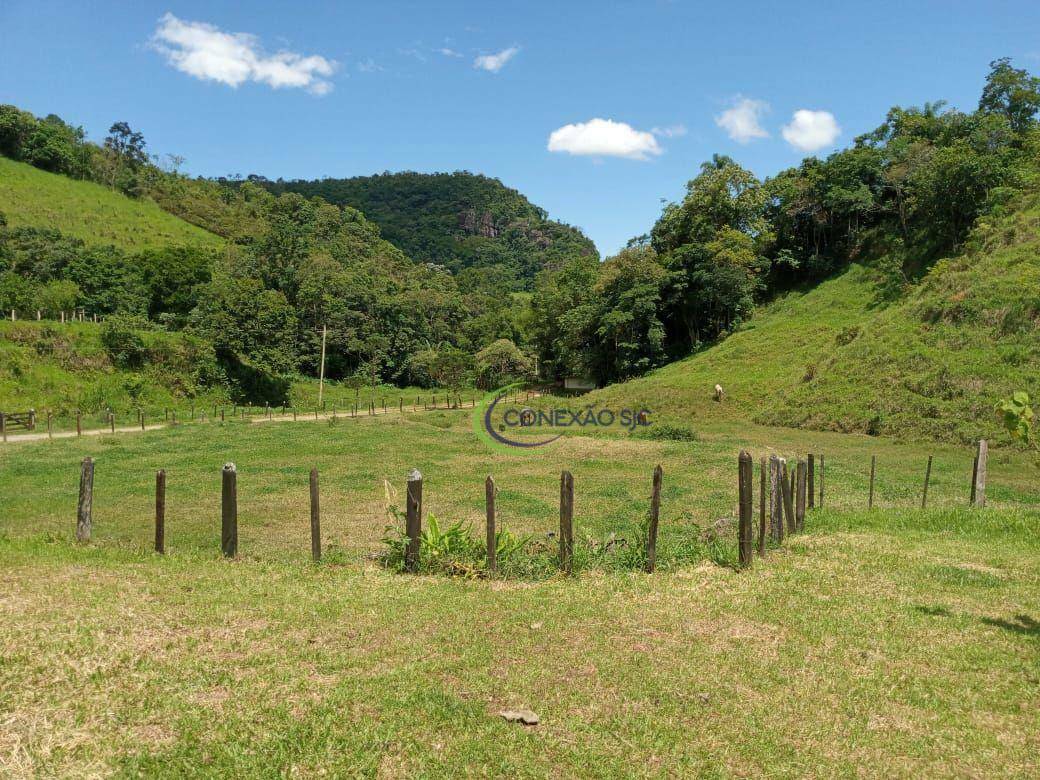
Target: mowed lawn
x: 888, y: 643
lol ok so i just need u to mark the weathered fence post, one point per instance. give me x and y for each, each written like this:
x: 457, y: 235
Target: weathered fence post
x: 870, y: 493
x: 173, y: 419
x: 811, y: 479
x: 745, y: 479
x: 413, y: 520
x: 655, y: 516
x: 140, y: 417
x: 229, y: 511
x: 112, y: 421
x: 762, y: 506
x: 222, y: 414
x: 776, y: 520
x: 566, y: 522
x: 489, y: 503
x: 801, y: 478
x: 160, y: 511
x: 788, y: 499
x: 927, y: 478
x: 50, y: 427
x: 978, y: 482
x: 315, y: 517
x: 294, y: 414
x: 79, y: 424
x: 3, y: 426
x: 821, y: 480
x: 85, y: 507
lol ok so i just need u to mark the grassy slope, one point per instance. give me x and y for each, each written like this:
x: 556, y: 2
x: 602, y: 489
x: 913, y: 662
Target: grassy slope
x: 838, y: 357
x: 891, y: 643
x: 88, y: 211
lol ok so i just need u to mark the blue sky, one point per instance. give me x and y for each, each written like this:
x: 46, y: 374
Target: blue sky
x: 312, y: 89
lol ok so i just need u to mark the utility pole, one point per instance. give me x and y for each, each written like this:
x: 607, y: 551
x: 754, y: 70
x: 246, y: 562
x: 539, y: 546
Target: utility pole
x: 321, y: 378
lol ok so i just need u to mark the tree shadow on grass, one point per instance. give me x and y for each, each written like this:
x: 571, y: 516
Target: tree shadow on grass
x: 1021, y: 624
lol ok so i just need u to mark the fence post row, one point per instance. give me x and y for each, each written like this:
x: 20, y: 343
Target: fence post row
x: 655, y: 515
x: 413, y: 521
x: 566, y: 522
x: 745, y: 478
x: 229, y: 511
x: 489, y: 502
x: 84, y: 509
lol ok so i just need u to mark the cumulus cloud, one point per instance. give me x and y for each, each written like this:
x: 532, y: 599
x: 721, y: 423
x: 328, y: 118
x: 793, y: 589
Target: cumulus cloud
x: 205, y: 52
x: 495, y: 62
x: 809, y: 131
x: 671, y: 131
x: 604, y: 138
x: 742, y: 121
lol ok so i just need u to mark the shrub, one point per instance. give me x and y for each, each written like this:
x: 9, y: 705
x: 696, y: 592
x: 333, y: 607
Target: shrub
x: 667, y: 432
x: 122, y: 342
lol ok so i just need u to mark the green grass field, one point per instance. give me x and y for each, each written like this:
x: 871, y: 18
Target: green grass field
x: 96, y: 214
x: 890, y: 643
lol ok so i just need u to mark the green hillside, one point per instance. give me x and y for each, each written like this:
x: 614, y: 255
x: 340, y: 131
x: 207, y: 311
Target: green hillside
x: 458, y: 220
x: 841, y: 356
x: 90, y: 212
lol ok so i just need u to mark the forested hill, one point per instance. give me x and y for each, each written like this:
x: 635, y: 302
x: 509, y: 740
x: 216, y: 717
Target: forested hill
x: 458, y: 220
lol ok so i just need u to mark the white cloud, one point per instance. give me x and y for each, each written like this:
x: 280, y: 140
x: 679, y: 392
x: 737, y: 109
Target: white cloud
x: 450, y: 52
x: 203, y: 51
x: 811, y: 130
x: 742, y: 121
x: 604, y: 138
x: 495, y: 62
x: 369, y: 65
x: 671, y: 131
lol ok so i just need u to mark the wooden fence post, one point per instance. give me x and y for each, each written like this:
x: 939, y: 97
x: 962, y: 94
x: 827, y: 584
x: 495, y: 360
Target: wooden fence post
x: 745, y: 479
x: 801, y: 482
x: 315, y: 517
x: 140, y: 417
x: 413, y: 520
x: 85, y: 507
x: 294, y: 414
x: 3, y: 427
x: 112, y: 421
x: 762, y: 506
x: 655, y: 516
x: 489, y: 504
x: 776, y: 524
x: 566, y: 522
x: 160, y: 511
x: 50, y: 427
x: 821, y: 480
x: 811, y: 480
x: 229, y: 511
x: 927, y: 478
x: 222, y: 414
x: 870, y: 493
x: 79, y: 424
x: 978, y: 484
x: 786, y: 495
